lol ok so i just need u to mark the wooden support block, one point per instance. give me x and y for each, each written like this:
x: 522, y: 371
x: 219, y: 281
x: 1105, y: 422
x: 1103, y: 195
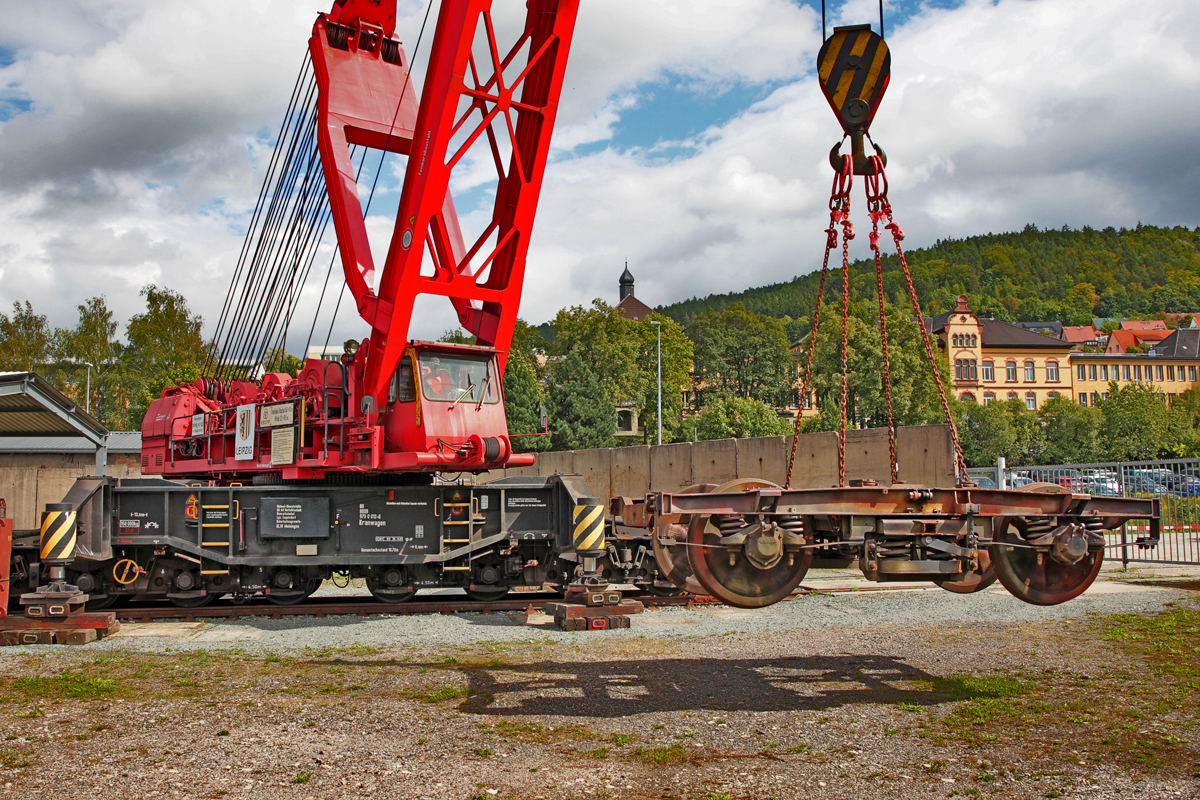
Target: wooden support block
x: 573, y: 610
x: 80, y: 636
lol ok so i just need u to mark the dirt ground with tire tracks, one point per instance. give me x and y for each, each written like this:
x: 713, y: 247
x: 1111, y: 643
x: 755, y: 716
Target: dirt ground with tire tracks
x: 1096, y: 706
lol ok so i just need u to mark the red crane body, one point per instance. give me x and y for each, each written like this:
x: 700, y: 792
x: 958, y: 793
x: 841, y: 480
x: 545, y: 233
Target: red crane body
x: 391, y: 404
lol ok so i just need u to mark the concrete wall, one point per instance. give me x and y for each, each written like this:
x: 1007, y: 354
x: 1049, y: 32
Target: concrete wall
x: 925, y: 456
x: 30, y: 480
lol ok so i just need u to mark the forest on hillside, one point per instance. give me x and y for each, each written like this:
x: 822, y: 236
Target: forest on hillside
x: 1068, y: 275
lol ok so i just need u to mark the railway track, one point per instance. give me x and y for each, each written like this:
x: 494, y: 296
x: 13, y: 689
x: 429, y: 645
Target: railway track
x: 531, y: 602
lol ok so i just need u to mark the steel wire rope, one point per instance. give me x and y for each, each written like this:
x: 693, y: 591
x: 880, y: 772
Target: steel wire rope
x: 262, y: 195
x: 265, y: 251
x: 382, y: 157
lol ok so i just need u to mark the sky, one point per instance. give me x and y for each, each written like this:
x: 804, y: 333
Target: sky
x: 692, y: 140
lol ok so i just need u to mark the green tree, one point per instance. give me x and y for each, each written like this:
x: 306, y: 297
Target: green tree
x: 523, y: 401
x: 92, y: 341
x: 740, y: 417
x: 581, y: 415
x: 608, y: 343
x: 164, y: 348
x: 280, y: 360
x: 740, y: 354
x: 1072, y: 432
x: 1138, y: 424
x: 985, y: 433
x: 25, y: 339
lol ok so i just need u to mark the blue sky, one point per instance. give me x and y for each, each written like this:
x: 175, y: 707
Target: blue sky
x: 691, y: 140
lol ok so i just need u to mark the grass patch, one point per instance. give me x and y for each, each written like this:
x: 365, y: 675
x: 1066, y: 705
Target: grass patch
x: 68, y: 684
x: 539, y: 733
x: 443, y: 693
x: 303, y: 777
x: 661, y: 756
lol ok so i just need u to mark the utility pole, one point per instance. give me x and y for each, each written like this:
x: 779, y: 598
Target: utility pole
x: 87, y: 403
x: 658, y: 325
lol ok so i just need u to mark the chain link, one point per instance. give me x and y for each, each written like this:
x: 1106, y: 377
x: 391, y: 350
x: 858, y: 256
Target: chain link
x: 874, y: 208
x: 885, y: 209
x: 847, y: 235
x: 838, y: 195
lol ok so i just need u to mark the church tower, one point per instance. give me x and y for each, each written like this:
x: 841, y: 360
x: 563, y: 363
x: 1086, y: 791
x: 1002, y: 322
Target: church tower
x: 626, y: 282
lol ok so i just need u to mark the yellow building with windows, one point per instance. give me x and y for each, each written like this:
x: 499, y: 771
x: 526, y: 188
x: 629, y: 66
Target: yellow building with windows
x: 1171, y: 367
x: 993, y: 360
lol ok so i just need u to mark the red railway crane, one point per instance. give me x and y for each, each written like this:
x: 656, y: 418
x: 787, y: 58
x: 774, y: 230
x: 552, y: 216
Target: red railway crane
x: 391, y: 404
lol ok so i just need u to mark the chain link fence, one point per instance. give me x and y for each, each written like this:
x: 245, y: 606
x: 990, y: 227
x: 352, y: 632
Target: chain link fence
x: 1175, y: 482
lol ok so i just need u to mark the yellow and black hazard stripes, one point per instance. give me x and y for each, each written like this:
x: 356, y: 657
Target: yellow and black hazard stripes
x: 58, y: 534
x: 854, y: 67
x: 587, y: 526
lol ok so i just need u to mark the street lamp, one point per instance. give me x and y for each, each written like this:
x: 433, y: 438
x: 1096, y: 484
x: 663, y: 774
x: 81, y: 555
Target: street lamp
x: 88, y: 400
x: 658, y: 325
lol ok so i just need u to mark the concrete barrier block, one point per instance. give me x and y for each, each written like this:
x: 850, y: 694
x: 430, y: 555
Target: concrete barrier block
x: 560, y: 463
x: 816, y: 461
x: 714, y: 461
x: 671, y: 467
x: 596, y: 468
x: 926, y: 453
x: 763, y: 457
x: 631, y: 471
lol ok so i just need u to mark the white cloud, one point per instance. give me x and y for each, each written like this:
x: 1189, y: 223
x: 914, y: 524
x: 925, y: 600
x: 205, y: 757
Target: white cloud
x: 141, y: 152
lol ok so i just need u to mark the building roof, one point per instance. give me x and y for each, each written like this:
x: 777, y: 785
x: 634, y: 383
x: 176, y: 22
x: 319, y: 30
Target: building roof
x: 118, y: 442
x: 634, y: 309
x: 994, y: 333
x: 1121, y: 341
x: 1143, y: 325
x: 1051, y: 327
x: 31, y: 406
x: 1080, y: 334
x: 1182, y: 343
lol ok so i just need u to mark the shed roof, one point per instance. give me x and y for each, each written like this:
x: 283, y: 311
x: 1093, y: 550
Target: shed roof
x: 31, y: 406
x: 118, y: 442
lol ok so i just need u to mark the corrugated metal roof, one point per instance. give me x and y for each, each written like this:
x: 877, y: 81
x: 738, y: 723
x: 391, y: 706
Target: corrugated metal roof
x: 118, y: 442
x: 31, y: 405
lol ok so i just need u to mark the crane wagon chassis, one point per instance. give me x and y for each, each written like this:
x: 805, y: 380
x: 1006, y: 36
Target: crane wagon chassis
x: 748, y: 544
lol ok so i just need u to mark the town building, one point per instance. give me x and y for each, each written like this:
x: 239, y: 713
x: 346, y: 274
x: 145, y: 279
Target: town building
x: 1081, y: 336
x: 1135, y: 340
x: 628, y: 423
x: 993, y: 360
x: 1170, y: 366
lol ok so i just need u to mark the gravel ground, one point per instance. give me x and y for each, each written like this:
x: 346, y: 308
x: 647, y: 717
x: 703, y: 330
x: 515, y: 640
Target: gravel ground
x: 856, y: 695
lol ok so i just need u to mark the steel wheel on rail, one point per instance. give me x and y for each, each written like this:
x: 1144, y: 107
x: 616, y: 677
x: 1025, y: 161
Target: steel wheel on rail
x: 975, y: 580
x: 194, y: 602
x: 291, y: 598
x: 669, y: 540
x: 741, y: 562
x: 487, y: 594
x: 1038, y: 577
x: 386, y: 595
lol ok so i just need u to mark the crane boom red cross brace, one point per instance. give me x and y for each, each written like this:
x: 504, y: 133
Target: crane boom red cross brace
x: 392, y: 404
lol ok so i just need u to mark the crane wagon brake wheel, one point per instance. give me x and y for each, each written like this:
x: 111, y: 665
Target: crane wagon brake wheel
x: 753, y: 568
x: 669, y: 533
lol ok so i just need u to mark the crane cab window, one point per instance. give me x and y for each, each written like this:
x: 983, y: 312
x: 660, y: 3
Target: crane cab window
x: 461, y: 379
x: 403, y: 389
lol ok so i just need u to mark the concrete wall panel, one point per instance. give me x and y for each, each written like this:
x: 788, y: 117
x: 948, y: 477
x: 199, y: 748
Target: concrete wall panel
x: 18, y: 488
x: 714, y: 461
x: 596, y: 467
x: 631, y: 471
x: 764, y: 457
x: 671, y: 467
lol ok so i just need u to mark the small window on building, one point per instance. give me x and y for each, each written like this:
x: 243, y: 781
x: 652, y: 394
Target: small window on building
x: 1081, y: 372
x: 974, y: 370
x: 1125, y: 372
x: 1031, y: 401
x: 808, y: 400
x: 988, y: 397
x: 974, y: 341
x: 1030, y: 372
x: 1170, y: 398
x: 1104, y: 372
x: 967, y: 397
x: 1095, y: 398
x: 1170, y: 372
x: 1137, y: 372
x: 1083, y: 398
x: 1092, y: 372
x: 1192, y: 374
x: 989, y: 372
x: 1104, y: 395
x: 1052, y: 371
x: 1051, y: 395
x: 624, y: 420
x: 1012, y: 395
x: 958, y: 369
x: 1010, y: 370
x: 1158, y: 372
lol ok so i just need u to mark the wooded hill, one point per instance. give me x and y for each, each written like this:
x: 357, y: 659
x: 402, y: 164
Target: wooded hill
x: 1031, y: 275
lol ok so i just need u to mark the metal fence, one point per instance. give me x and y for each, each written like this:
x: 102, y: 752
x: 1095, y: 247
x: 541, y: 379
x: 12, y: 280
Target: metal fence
x: 1175, y: 482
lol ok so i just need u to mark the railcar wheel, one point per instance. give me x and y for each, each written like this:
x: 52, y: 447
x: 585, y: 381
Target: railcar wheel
x: 973, y: 581
x: 379, y: 593
x: 755, y: 572
x: 1037, y: 577
x: 295, y: 598
x: 672, y: 558
x: 194, y: 602
x: 487, y: 594
x: 98, y: 602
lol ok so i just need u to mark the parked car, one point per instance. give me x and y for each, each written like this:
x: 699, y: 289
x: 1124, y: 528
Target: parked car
x: 1184, y: 486
x: 984, y: 482
x: 1140, y: 485
x: 1068, y: 478
x: 1102, y: 484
